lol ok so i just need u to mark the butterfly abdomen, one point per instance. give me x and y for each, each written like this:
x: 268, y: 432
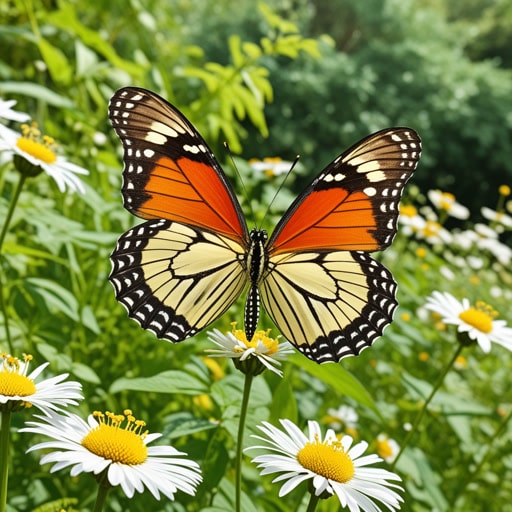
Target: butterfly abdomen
x: 256, y: 263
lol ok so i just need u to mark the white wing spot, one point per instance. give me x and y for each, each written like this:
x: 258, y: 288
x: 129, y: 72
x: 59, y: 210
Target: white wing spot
x: 375, y: 176
x: 149, y: 153
x: 164, y: 129
x: 370, y: 191
x: 194, y: 149
x: 155, y: 138
x: 334, y: 177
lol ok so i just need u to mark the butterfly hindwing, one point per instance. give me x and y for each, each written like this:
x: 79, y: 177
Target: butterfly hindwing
x: 329, y: 304
x: 170, y: 172
x: 353, y: 203
x: 175, y: 279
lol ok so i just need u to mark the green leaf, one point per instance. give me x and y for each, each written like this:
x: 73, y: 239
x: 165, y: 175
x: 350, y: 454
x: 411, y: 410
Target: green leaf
x: 85, y: 373
x: 184, y: 423
x: 284, y: 404
x: 170, y: 381
x: 56, y: 297
x: 65, y: 18
x: 335, y: 376
x: 36, y: 91
x: 57, y: 62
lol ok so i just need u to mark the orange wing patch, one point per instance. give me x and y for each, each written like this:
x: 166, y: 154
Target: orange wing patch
x: 190, y: 192
x: 331, y: 219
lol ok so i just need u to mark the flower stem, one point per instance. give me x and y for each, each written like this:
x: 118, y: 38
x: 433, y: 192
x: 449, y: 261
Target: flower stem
x: 12, y: 206
x: 5, y: 226
x: 4, y: 458
x: 422, y: 411
x: 240, y: 440
x: 312, y: 502
x: 103, y: 488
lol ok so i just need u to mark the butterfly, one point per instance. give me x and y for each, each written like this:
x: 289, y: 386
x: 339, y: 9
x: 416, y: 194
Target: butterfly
x: 194, y: 255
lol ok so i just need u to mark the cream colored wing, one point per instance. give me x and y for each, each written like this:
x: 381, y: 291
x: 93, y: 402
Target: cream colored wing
x: 175, y: 279
x: 328, y: 304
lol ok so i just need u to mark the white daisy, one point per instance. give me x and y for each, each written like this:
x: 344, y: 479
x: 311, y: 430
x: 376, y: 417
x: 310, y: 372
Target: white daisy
x: 497, y: 217
x: 446, y: 202
x: 387, y: 448
x: 343, y: 416
x: 477, y: 321
x: 410, y: 220
x: 19, y: 390
x: 6, y: 112
x: 39, y: 151
x: 250, y: 356
x: 332, y: 465
x: 271, y: 166
x: 116, y: 445
x: 434, y: 233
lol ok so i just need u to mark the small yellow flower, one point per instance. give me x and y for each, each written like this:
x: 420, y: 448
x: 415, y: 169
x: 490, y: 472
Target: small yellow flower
x: 504, y: 190
x: 421, y: 252
x: 250, y: 356
x: 423, y: 356
x: 406, y: 317
x: 387, y: 448
x: 408, y: 210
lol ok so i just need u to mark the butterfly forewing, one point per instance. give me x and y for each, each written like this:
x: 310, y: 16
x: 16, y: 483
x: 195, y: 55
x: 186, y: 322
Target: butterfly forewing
x: 174, y: 279
x: 353, y: 203
x: 170, y: 173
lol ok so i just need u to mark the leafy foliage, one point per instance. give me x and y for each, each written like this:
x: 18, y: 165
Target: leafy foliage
x: 268, y: 81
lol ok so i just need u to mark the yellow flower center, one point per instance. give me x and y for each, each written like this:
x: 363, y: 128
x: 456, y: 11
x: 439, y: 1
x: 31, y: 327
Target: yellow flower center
x: 114, y: 442
x: 431, y: 228
x: 423, y: 356
x: 13, y: 381
x: 408, y: 210
x: 271, y: 344
x: 384, y: 449
x: 421, y: 252
x: 479, y: 316
x: 14, y: 384
x: 447, y: 201
x: 328, y: 460
x: 41, y: 148
x: 504, y: 190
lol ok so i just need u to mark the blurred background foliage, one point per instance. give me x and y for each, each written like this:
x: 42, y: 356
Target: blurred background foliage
x: 432, y: 65
x: 278, y: 79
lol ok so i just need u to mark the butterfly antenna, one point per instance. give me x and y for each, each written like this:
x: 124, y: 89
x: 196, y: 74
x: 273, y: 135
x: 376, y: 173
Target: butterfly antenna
x: 281, y: 185
x: 241, y: 181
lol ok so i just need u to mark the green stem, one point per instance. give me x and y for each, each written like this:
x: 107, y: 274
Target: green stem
x: 103, y: 488
x: 240, y: 440
x: 312, y: 502
x: 7, y: 221
x: 4, y: 458
x: 422, y: 411
x: 12, y: 206
x: 3, y: 309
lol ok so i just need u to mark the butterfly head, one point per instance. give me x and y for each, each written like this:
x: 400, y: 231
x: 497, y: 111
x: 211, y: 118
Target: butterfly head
x: 258, y: 236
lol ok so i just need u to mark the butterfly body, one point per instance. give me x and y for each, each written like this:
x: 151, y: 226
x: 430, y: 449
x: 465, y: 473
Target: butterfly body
x: 194, y: 256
